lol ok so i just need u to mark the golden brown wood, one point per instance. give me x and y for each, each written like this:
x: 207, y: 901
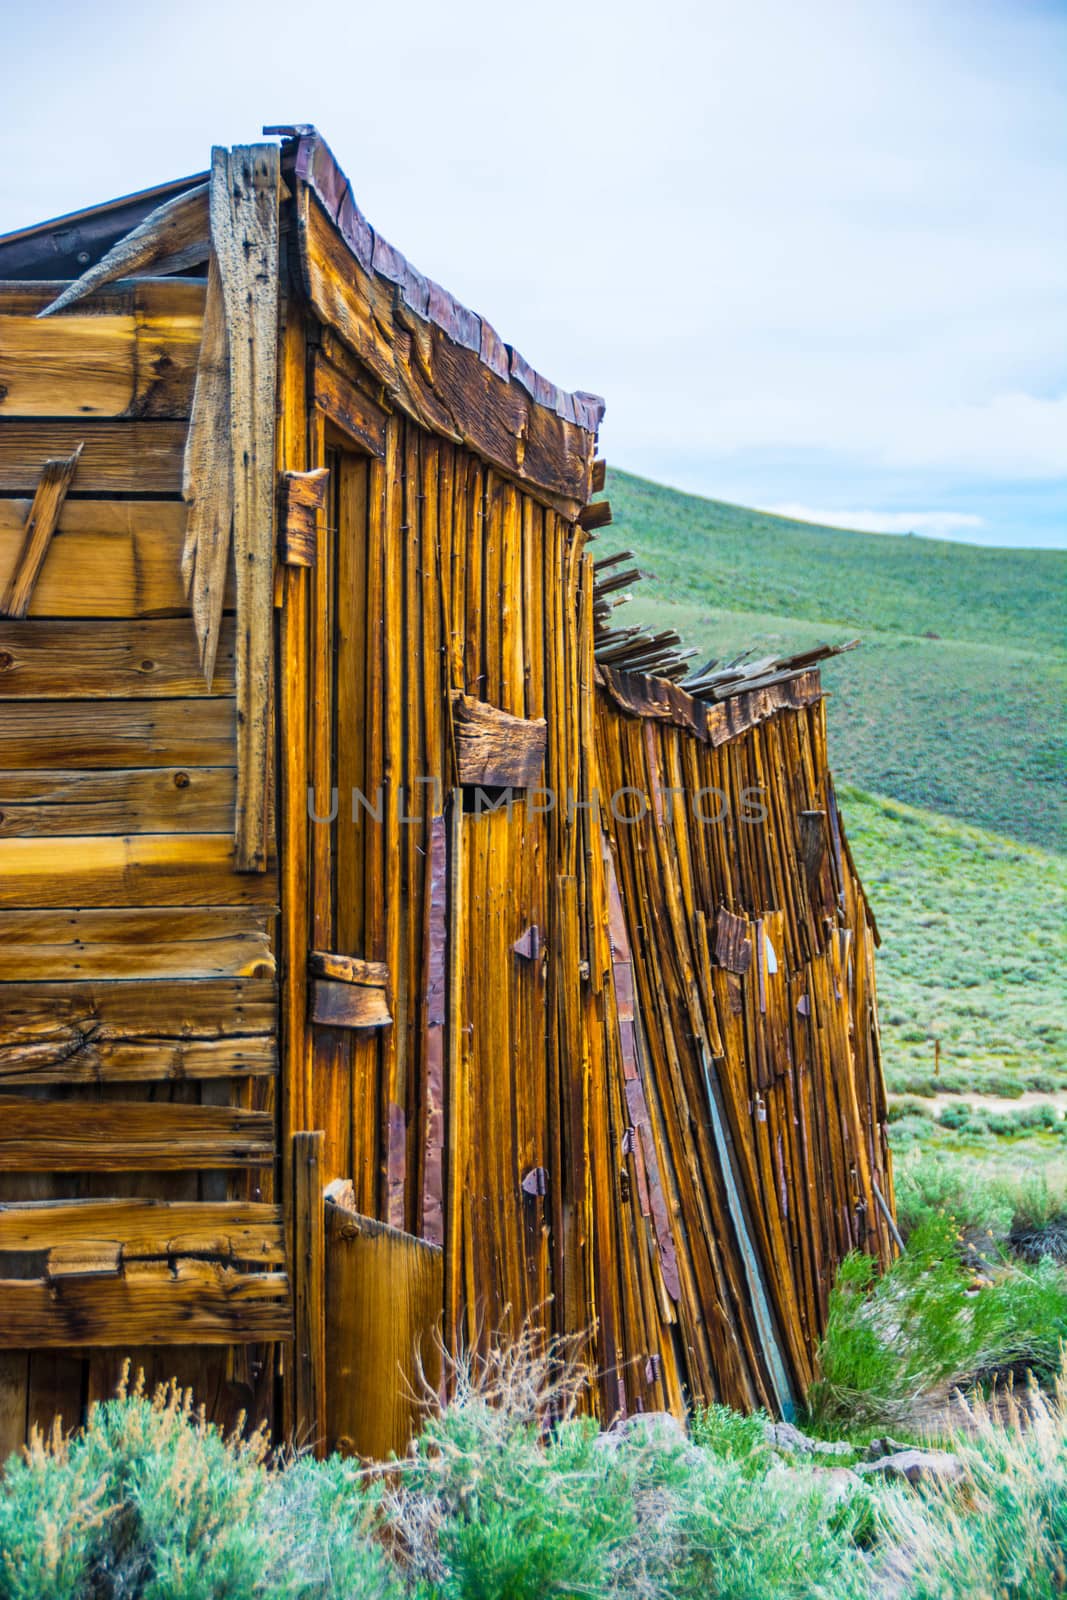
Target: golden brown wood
x: 238, y: 1230
x: 303, y: 499
x: 494, y: 748
x: 309, y: 1293
x: 60, y: 1136
x: 132, y: 357
x: 383, y: 1312
x: 349, y: 1005
x: 125, y: 800
x: 244, y: 195
x: 348, y: 969
x: 109, y: 660
x: 68, y: 946
x: 56, y: 478
x: 139, y: 733
x: 596, y: 515
x: 108, y: 558
x: 136, y: 458
x: 187, y: 869
x: 207, y: 478
x: 197, y: 1302
x: 348, y: 407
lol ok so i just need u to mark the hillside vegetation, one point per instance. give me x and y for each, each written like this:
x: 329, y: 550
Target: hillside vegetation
x: 953, y: 703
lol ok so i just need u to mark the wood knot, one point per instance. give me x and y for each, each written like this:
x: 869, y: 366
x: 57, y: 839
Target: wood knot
x: 148, y: 666
x: 6, y: 660
x: 181, y: 780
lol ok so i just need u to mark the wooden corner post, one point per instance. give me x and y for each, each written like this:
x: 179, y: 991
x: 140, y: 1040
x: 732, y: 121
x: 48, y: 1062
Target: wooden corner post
x: 244, y: 197
x: 309, y: 1294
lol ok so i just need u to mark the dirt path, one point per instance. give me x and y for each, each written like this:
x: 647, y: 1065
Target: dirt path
x: 989, y: 1102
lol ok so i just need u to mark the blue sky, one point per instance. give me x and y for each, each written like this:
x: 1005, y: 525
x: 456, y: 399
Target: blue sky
x: 815, y: 256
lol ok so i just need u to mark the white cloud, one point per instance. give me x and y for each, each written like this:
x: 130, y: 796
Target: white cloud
x: 933, y: 524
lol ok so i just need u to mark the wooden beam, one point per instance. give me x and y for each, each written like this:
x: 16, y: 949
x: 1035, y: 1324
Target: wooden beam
x: 494, y: 748
x: 171, y: 238
x: 135, y: 458
x: 595, y: 515
x: 348, y: 969
x: 129, y: 659
x: 37, y: 805
x: 240, y: 1230
x: 309, y: 1292
x: 347, y: 407
x: 244, y: 199
x: 195, y: 942
x: 187, y: 869
x: 117, y: 734
x: 41, y: 524
x: 134, y: 1136
x: 154, y: 1303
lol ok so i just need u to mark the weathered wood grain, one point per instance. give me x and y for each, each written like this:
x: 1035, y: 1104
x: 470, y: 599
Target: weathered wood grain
x: 135, y: 458
x: 191, y: 869
x: 191, y: 1302
x: 496, y: 749
x: 108, y: 558
x: 207, y: 478
x: 41, y: 522
x: 70, y: 946
x: 130, y: 363
x: 126, y: 800
x: 309, y: 1292
x: 134, y: 1136
x: 138, y: 733
x: 303, y: 498
x: 440, y: 384
x: 384, y: 1294
x: 112, y: 660
x: 239, y: 1230
x: 349, y: 1005
x: 171, y: 238
x: 244, y: 198
x: 348, y: 969
x: 347, y: 406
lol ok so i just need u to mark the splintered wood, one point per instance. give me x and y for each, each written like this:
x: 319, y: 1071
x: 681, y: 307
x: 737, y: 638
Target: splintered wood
x: 397, y: 952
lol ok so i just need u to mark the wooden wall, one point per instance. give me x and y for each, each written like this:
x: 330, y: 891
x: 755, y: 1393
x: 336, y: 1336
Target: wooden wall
x: 138, y: 1050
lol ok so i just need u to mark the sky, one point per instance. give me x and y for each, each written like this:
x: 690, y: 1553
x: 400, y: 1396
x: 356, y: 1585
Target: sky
x: 813, y: 255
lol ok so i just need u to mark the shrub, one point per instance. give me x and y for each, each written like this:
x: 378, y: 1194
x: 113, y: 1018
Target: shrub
x: 924, y: 1323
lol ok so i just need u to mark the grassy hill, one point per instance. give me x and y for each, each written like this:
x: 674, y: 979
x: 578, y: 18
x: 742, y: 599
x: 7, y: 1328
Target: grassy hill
x: 946, y: 714
x: 952, y: 701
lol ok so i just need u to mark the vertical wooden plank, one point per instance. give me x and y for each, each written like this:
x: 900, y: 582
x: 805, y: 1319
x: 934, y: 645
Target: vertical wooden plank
x: 14, y: 1379
x: 244, y: 197
x: 309, y: 1293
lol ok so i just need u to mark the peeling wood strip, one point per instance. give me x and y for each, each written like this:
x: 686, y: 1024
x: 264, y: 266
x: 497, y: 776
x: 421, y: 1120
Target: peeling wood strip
x: 171, y: 238
x: 348, y: 969
x: 303, y: 498
x: 41, y: 524
x: 207, y: 479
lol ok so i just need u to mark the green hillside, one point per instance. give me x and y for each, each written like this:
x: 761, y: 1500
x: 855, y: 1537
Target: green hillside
x: 973, y: 950
x: 953, y: 700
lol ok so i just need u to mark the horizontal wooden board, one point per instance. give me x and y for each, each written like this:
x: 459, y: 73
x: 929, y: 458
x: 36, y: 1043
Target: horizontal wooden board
x: 36, y: 805
x: 189, y: 869
x: 77, y: 365
x: 134, y: 659
x: 238, y: 1229
x: 136, y: 1031
x: 228, y: 942
x: 494, y: 748
x: 348, y: 407
x: 108, y: 558
x: 143, y: 298
x: 348, y: 969
x: 194, y: 1302
x: 58, y: 1057
x: 117, y: 458
x: 134, y: 1136
x: 118, y: 733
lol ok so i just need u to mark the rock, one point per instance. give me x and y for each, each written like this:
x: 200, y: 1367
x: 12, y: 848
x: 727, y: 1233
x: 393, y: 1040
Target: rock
x: 915, y: 1466
x: 784, y: 1436
x: 653, y: 1427
x: 884, y: 1447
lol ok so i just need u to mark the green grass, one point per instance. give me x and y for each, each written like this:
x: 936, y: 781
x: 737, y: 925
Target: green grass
x: 973, y: 950
x: 965, y: 723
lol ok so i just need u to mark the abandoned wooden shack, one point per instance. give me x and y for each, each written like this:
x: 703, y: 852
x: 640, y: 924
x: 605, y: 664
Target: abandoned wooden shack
x: 394, y: 945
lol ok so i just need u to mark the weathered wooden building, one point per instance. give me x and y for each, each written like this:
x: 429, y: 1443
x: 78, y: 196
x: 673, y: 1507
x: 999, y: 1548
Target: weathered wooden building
x: 389, y: 940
